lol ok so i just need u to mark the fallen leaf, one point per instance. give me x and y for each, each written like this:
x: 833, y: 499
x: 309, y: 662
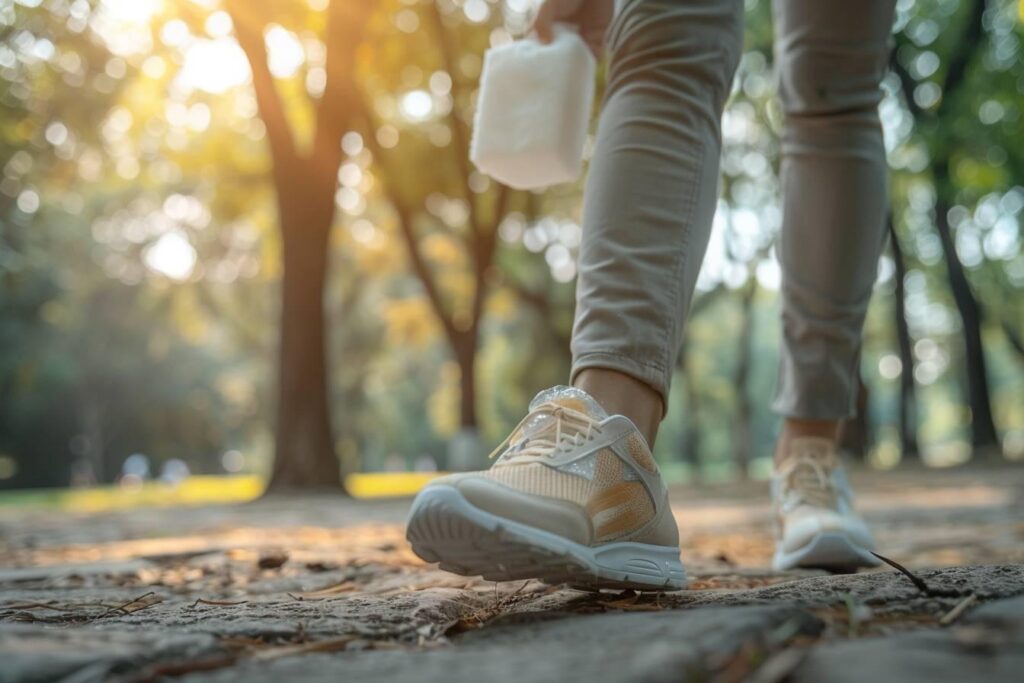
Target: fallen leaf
x: 272, y: 559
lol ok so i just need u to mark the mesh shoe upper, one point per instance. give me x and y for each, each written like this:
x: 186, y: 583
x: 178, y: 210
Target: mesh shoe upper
x: 811, y: 496
x: 568, y: 453
x: 616, y: 506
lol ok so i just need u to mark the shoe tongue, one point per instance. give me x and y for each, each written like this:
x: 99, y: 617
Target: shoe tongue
x: 572, y: 398
x: 807, y: 460
x: 811, y: 447
x: 802, y: 451
x: 569, y: 397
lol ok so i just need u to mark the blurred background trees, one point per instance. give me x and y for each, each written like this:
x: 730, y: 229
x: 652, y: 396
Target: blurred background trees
x: 217, y: 217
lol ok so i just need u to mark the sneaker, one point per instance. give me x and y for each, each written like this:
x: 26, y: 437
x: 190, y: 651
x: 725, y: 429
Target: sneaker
x: 816, y: 525
x: 574, y: 497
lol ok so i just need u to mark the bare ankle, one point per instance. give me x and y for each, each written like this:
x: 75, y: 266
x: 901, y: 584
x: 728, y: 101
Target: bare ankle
x: 620, y: 394
x: 795, y: 428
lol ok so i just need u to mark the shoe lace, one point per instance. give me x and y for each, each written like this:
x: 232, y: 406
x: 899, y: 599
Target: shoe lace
x: 805, y: 479
x: 549, y: 428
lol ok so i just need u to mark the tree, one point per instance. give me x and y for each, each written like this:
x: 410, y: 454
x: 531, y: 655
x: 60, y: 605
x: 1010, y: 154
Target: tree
x: 460, y: 313
x: 907, y: 416
x: 305, y: 182
x: 743, y: 437
x: 942, y: 147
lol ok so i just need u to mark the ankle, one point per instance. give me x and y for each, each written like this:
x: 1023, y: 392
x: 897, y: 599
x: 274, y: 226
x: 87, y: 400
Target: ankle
x: 620, y: 394
x: 796, y: 428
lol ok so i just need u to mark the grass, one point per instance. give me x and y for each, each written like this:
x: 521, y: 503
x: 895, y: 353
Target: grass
x: 200, y: 490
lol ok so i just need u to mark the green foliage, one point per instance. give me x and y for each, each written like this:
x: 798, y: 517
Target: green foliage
x: 139, y: 260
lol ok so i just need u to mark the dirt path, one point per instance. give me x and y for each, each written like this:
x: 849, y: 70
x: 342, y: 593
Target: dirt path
x: 327, y: 589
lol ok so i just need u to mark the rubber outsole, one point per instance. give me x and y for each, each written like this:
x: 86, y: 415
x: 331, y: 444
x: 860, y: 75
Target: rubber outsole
x: 831, y: 550
x: 446, y: 528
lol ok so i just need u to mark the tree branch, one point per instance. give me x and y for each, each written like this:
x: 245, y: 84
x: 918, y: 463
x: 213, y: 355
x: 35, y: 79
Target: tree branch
x: 249, y: 31
x: 345, y: 23
x: 422, y: 271
x: 963, y: 51
x: 907, y: 85
x: 485, y: 246
x: 956, y: 71
x: 405, y: 225
x: 459, y: 133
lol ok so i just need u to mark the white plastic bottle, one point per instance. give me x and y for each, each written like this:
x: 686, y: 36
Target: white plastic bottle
x: 533, y: 110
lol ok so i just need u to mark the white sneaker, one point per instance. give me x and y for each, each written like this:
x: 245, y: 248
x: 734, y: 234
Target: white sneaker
x: 574, y: 498
x: 816, y: 525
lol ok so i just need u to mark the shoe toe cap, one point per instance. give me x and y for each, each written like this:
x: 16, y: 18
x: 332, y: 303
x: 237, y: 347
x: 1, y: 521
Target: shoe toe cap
x: 561, y: 517
x: 802, y: 526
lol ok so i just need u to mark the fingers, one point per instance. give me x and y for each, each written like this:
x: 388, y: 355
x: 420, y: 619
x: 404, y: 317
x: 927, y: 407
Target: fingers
x: 543, y: 23
x: 591, y: 17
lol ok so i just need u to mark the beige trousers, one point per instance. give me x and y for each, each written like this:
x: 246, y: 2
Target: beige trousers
x: 652, y: 187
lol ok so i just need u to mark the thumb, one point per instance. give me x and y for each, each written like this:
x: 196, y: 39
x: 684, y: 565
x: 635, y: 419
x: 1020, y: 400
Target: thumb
x: 543, y: 23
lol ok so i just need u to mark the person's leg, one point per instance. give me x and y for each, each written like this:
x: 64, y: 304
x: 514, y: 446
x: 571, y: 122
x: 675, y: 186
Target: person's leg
x: 650, y: 197
x: 831, y: 56
x: 575, y: 495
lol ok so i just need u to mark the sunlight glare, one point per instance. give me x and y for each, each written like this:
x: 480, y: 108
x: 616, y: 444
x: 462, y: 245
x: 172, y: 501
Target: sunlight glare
x: 172, y: 255
x: 133, y: 11
x: 284, y: 52
x: 174, y: 33
x: 476, y: 11
x: 417, y: 105
x: 214, y: 66
x: 218, y: 24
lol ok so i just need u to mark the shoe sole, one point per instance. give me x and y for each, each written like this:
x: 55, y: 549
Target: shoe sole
x: 830, y: 550
x: 446, y: 528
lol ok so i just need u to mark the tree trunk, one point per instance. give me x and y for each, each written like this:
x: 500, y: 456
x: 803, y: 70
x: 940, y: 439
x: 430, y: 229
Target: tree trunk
x: 908, y: 388
x: 855, y: 431
x: 743, y: 436
x: 465, y: 355
x: 465, y: 449
x: 304, y: 184
x: 691, y: 441
x: 305, y: 457
x: 984, y: 438
x: 95, y: 443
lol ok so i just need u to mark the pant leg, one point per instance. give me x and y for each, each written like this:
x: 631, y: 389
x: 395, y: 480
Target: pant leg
x: 831, y: 56
x: 653, y: 182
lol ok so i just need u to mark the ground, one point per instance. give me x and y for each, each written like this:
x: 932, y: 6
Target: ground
x: 325, y: 589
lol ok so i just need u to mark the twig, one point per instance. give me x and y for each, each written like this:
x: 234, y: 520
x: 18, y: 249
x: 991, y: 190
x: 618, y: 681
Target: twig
x: 961, y: 607
x: 38, y: 605
x: 345, y: 586
x: 121, y: 608
x: 918, y: 582
x: 223, y: 603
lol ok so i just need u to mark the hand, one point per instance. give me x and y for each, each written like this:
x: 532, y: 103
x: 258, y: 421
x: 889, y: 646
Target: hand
x: 591, y: 16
